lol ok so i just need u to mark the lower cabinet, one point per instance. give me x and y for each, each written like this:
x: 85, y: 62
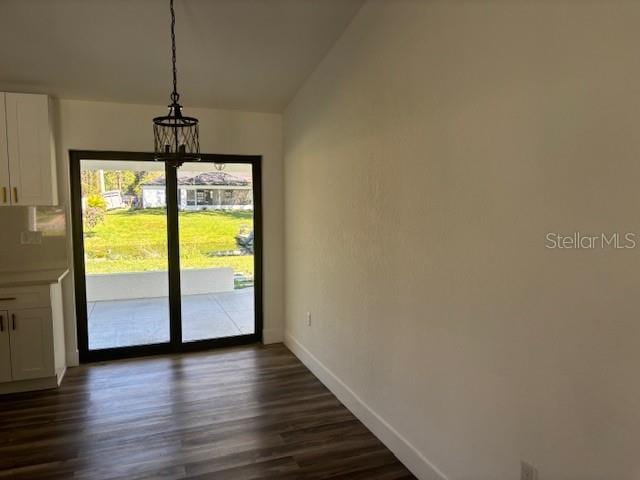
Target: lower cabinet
x: 31, y: 340
x: 31, y: 353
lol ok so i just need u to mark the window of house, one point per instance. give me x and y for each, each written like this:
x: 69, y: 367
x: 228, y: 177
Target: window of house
x: 191, y: 197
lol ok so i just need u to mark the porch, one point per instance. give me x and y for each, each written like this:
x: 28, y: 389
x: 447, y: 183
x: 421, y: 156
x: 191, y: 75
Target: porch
x: 141, y: 321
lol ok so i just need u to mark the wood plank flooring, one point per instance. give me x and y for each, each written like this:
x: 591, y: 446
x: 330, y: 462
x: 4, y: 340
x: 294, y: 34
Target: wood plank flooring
x: 242, y: 413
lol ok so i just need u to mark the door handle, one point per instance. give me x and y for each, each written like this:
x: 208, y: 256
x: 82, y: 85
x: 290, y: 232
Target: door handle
x: 15, y: 194
x: 13, y: 320
x: 6, y: 299
x: 4, y: 194
x: 1, y: 323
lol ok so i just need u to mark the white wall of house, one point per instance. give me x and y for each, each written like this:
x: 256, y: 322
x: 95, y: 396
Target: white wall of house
x: 119, y: 286
x: 86, y: 125
x: 154, y: 197
x: 471, y: 129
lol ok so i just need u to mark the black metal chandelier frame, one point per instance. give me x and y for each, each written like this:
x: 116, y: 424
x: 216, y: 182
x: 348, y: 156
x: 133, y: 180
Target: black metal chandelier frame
x: 176, y: 136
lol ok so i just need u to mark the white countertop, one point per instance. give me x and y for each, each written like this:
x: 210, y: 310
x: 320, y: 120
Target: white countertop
x: 26, y: 278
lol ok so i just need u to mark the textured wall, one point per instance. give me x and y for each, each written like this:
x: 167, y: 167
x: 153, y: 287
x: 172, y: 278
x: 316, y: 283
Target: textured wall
x: 425, y: 159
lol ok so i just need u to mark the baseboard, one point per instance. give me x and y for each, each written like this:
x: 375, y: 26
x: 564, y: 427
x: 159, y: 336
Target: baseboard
x: 73, y: 358
x: 272, y: 335
x: 400, y: 446
x: 29, y: 385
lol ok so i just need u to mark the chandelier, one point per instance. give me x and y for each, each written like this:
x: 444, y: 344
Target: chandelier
x: 175, y: 135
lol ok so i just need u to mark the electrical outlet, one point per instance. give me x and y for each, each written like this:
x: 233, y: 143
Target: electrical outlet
x: 308, y: 319
x: 528, y: 471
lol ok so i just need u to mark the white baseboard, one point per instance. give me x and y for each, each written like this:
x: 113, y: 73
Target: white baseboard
x: 272, y: 335
x: 400, y: 446
x: 73, y: 358
x: 29, y: 385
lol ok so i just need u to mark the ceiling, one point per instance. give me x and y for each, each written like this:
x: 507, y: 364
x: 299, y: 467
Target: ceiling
x: 248, y: 55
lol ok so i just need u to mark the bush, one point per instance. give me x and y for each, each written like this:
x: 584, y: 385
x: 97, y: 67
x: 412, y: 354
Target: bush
x: 96, y: 201
x: 93, y: 217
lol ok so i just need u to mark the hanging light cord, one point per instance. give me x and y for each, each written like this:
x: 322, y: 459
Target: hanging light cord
x: 175, y: 96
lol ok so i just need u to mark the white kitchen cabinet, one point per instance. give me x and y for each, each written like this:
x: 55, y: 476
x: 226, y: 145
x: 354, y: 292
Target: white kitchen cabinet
x: 31, y: 336
x: 5, y: 348
x: 27, y: 156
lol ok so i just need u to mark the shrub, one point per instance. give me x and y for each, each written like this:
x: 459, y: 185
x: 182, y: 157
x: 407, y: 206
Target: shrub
x: 96, y: 201
x: 93, y: 217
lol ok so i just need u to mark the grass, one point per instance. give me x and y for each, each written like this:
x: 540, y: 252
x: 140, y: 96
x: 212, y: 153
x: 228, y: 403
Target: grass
x: 136, y: 241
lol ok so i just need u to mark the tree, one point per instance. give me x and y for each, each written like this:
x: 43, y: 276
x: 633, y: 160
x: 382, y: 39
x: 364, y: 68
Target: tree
x: 89, y: 182
x: 143, y: 177
x: 122, y: 180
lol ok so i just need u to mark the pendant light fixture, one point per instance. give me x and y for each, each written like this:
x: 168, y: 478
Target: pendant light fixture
x: 175, y: 135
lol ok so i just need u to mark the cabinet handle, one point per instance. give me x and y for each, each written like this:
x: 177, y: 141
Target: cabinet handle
x: 6, y: 299
x: 1, y: 323
x: 13, y: 319
x: 15, y: 194
x: 4, y: 194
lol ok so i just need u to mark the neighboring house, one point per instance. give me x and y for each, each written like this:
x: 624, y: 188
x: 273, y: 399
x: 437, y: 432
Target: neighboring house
x: 202, y: 191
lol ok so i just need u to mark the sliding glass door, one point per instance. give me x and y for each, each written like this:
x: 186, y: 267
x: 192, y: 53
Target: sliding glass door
x: 125, y: 255
x: 167, y: 255
x: 217, y: 262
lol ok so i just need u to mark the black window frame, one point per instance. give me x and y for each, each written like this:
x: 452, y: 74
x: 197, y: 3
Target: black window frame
x: 176, y: 344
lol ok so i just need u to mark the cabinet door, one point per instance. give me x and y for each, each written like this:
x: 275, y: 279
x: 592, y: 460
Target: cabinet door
x: 31, y: 338
x: 5, y: 185
x: 31, y: 159
x: 5, y: 348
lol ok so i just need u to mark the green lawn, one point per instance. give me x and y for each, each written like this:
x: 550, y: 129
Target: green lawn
x: 136, y: 241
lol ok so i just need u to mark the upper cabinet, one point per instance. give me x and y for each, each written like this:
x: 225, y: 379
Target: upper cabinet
x: 27, y: 151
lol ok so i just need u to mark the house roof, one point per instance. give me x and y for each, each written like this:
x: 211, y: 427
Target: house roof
x: 203, y: 178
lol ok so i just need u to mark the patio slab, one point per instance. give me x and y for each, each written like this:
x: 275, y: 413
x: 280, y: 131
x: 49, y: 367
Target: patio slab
x: 121, y: 323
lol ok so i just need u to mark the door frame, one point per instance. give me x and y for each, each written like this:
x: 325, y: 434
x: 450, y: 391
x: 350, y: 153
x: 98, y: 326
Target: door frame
x: 175, y: 343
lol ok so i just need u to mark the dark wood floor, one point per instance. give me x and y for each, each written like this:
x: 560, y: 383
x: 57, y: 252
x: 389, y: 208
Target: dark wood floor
x: 242, y: 413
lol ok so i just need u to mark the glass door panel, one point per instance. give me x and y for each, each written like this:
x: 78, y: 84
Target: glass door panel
x: 124, y: 232
x: 216, y: 229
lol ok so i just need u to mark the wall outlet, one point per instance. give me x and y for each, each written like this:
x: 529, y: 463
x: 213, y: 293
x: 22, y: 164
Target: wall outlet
x: 528, y: 471
x: 308, y: 319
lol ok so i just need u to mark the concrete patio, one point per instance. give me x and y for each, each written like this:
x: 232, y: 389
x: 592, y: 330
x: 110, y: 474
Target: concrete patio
x: 121, y: 323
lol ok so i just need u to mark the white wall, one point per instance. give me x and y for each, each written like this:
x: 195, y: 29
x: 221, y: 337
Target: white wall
x: 51, y: 253
x: 425, y: 159
x: 155, y: 284
x: 125, y: 127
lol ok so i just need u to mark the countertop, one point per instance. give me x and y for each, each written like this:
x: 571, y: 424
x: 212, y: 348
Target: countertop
x: 27, y: 278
